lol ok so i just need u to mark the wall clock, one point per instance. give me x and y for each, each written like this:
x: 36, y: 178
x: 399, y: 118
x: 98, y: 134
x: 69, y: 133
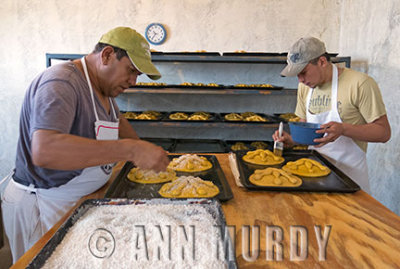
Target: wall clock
x: 156, y: 33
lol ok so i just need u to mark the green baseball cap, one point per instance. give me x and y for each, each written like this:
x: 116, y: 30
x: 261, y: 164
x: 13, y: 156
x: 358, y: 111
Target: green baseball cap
x: 135, y: 46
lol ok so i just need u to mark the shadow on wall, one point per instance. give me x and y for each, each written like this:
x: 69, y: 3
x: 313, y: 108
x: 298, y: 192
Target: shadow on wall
x: 361, y: 66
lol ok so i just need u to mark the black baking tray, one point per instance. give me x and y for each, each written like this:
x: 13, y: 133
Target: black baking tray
x: 260, y: 54
x: 122, y: 187
x: 249, y: 87
x: 270, y: 119
x: 230, y: 143
x: 214, y: 116
x: 203, y: 86
x: 150, y: 86
x: 166, y: 143
x: 212, y: 206
x: 199, y: 146
x: 336, y: 181
x: 160, y: 117
x: 193, y: 53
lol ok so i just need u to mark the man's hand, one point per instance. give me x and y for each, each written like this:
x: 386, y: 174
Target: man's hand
x: 285, y: 138
x: 332, y: 130
x: 146, y: 155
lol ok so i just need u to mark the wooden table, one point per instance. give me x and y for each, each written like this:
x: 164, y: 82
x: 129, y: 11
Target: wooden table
x: 363, y: 232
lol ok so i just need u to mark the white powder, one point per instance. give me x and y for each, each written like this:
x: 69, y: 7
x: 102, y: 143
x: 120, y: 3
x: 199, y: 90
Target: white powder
x: 142, y: 237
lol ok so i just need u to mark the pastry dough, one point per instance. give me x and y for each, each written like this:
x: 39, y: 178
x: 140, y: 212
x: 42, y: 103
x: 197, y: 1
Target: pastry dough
x: 255, y: 118
x: 307, y: 168
x: 262, y: 157
x: 189, y: 187
x: 149, y: 176
x: 178, y: 116
x: 190, y: 163
x: 274, y: 177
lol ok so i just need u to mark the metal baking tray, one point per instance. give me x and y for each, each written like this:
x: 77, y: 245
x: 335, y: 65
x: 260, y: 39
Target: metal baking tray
x: 249, y: 87
x: 230, y: 143
x: 166, y: 143
x: 270, y: 119
x: 160, y: 117
x: 212, y: 206
x: 193, y: 53
x: 204, y: 86
x: 199, y: 146
x: 122, y: 187
x: 214, y: 116
x: 260, y: 54
x: 336, y: 181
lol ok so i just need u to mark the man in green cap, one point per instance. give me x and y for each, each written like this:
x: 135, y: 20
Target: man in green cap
x: 72, y: 134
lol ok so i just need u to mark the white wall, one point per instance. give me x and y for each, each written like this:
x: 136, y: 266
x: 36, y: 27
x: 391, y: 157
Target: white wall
x: 29, y: 29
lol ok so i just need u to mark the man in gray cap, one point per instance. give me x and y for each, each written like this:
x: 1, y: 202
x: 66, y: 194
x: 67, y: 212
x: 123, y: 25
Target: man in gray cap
x: 347, y: 103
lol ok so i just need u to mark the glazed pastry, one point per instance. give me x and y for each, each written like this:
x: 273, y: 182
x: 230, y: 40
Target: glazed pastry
x: 239, y: 146
x: 255, y: 118
x: 190, y: 163
x: 248, y: 114
x: 307, y: 167
x: 262, y: 157
x: 259, y: 145
x: 233, y: 117
x: 274, y: 177
x: 189, y: 187
x: 178, y: 116
x: 199, y: 116
x: 130, y: 115
x: 149, y: 176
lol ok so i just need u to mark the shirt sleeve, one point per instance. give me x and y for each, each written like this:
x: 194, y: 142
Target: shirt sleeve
x: 370, y: 100
x: 54, y: 107
x: 301, y: 101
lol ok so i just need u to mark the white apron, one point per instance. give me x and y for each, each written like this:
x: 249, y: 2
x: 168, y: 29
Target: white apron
x: 51, y: 204
x: 343, y: 152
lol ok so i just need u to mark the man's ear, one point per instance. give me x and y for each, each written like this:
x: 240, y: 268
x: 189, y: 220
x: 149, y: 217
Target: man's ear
x: 323, y: 61
x: 106, y: 55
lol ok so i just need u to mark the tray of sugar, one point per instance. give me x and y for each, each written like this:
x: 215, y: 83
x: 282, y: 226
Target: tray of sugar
x: 141, y: 233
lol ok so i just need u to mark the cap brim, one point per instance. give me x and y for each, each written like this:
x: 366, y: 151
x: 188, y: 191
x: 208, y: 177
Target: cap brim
x: 292, y: 70
x: 145, y: 66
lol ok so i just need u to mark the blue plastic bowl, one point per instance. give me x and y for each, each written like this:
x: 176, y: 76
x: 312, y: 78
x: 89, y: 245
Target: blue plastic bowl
x: 304, y: 132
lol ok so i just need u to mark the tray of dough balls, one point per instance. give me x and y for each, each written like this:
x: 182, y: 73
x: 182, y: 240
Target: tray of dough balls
x: 131, y: 233
x: 248, y: 117
x: 305, y: 170
x: 187, y: 176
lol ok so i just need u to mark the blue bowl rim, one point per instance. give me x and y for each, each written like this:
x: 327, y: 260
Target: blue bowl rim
x: 306, y: 125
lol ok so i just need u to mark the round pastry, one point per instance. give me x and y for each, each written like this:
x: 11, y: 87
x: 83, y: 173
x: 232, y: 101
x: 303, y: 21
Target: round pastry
x: 199, y: 116
x: 190, y: 163
x: 255, y: 118
x: 178, y: 116
x: 130, y: 115
x: 248, y: 114
x: 145, y: 116
x: 233, y: 117
x: 149, y: 176
x: 262, y: 157
x: 189, y: 187
x: 274, y: 177
x: 239, y: 146
x: 307, y: 167
x: 259, y: 145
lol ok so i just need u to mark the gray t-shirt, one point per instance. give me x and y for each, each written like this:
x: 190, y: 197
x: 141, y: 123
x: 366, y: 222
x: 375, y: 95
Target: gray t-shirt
x: 58, y: 99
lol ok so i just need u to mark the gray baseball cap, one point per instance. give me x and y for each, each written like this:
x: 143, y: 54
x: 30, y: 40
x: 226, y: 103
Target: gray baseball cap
x: 301, y: 53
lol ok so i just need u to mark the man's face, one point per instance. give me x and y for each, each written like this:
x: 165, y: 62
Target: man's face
x: 311, y: 75
x: 118, y: 76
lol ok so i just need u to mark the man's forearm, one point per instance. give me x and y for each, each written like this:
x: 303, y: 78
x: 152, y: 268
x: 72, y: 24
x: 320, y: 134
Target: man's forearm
x: 376, y: 131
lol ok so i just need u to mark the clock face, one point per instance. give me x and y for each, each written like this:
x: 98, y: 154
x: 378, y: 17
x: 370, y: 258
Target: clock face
x: 156, y: 33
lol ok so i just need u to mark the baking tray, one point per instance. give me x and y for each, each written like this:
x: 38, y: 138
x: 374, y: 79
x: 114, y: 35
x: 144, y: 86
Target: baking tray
x: 204, y: 86
x: 166, y: 143
x: 122, y: 187
x: 212, y: 206
x: 199, y: 146
x: 260, y: 54
x: 270, y: 119
x: 193, y: 53
x: 162, y: 115
x: 230, y: 143
x: 336, y: 181
x: 214, y: 116
x: 249, y: 87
